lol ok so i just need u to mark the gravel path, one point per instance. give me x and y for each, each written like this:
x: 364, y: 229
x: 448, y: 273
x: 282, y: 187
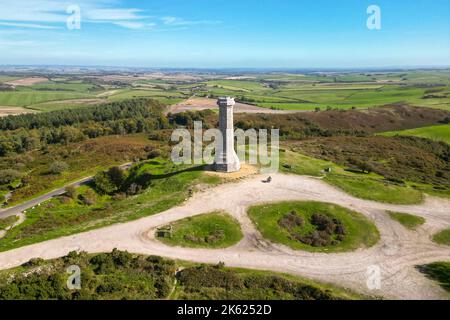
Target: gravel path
x: 397, y: 253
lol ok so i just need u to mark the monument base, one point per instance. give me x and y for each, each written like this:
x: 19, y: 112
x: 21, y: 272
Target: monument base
x: 227, y: 167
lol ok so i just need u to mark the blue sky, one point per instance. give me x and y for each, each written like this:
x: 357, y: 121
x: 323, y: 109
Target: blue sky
x: 226, y: 33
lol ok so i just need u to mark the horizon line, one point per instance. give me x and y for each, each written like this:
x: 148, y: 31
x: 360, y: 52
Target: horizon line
x: 329, y: 68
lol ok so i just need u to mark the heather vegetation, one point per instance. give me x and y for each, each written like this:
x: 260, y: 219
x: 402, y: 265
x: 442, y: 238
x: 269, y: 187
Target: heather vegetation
x: 365, y: 185
x: 408, y: 164
x: 325, y: 231
x: 159, y: 185
x: 35, y: 172
x: 120, y: 275
x: 326, y: 123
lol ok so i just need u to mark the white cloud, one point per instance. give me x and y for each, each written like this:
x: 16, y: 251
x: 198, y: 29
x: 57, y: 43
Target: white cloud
x: 174, y: 21
x: 45, y: 13
x: 130, y: 25
x: 51, y: 14
x: 26, y: 25
x: 113, y: 14
x: 48, y: 11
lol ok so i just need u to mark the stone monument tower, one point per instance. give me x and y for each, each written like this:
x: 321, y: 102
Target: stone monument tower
x: 226, y: 159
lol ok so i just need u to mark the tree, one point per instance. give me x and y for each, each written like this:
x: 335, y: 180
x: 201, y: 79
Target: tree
x: 58, y: 167
x: 364, y: 166
x: 103, y: 183
x: 9, y: 175
x: 116, y: 176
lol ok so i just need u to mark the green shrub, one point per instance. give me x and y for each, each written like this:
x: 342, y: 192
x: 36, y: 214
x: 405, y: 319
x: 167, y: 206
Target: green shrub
x: 58, y: 167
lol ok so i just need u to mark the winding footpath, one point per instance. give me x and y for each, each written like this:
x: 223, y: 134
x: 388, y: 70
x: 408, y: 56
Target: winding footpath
x: 396, y: 254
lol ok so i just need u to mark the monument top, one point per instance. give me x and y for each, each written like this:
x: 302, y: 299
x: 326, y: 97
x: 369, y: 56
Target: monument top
x: 225, y: 101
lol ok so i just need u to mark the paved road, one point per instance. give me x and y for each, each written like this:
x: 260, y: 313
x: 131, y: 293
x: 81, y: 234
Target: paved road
x: 396, y: 255
x: 34, y: 202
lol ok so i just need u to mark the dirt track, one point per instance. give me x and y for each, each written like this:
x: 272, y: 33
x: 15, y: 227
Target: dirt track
x: 398, y: 251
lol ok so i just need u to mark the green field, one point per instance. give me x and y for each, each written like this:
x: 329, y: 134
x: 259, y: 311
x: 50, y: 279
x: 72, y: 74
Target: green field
x: 213, y: 230
x: 439, y: 133
x: 282, y: 91
x: 409, y: 221
x: 66, y: 86
x: 26, y: 98
x: 63, y: 105
x: 337, y: 91
x: 359, y: 231
x: 167, y: 97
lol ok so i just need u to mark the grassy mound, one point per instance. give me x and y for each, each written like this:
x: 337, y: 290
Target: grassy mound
x: 442, y: 237
x: 314, y: 226
x: 213, y: 230
x: 409, y: 221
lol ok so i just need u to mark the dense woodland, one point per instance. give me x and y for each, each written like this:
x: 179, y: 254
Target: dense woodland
x: 34, y: 131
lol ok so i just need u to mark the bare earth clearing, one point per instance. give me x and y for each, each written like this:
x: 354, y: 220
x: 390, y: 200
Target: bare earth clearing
x: 198, y: 104
x: 398, y: 251
x: 7, y: 111
x: 27, y: 81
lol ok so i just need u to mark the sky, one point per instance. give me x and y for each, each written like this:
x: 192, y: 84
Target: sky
x: 225, y: 33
